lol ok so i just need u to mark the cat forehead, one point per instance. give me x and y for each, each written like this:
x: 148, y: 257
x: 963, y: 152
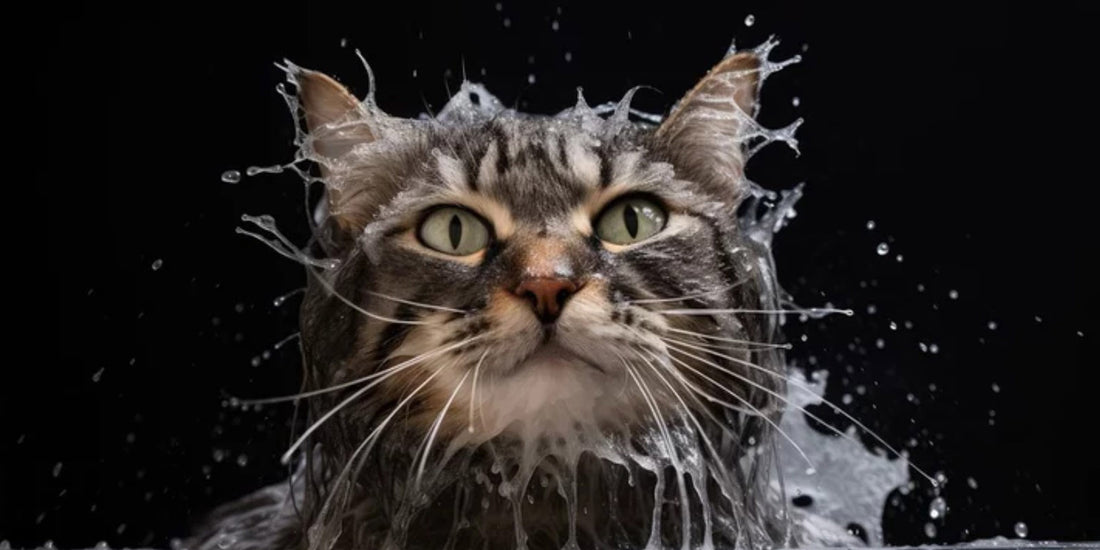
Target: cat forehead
x: 540, y: 167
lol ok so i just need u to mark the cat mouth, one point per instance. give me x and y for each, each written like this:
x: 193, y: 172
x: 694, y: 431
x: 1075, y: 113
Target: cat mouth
x: 551, y: 354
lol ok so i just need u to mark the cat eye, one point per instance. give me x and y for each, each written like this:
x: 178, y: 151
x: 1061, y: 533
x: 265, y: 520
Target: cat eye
x: 455, y: 231
x: 630, y: 220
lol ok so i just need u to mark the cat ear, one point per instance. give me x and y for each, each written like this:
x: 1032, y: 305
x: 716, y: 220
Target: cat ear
x: 705, y: 131
x: 336, y: 122
x: 334, y: 117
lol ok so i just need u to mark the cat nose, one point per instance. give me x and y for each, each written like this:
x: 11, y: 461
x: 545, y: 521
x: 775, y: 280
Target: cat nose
x: 547, y: 295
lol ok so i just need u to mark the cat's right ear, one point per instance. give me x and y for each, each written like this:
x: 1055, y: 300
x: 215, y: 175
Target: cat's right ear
x: 336, y: 122
x: 334, y: 118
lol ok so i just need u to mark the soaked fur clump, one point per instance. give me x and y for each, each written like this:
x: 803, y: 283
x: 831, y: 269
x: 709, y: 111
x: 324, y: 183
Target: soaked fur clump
x: 531, y: 331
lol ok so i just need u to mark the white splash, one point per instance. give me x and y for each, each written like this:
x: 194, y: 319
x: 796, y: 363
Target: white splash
x: 848, y: 484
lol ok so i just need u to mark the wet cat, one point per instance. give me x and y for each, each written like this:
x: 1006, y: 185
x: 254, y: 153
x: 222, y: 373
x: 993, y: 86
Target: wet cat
x: 531, y: 331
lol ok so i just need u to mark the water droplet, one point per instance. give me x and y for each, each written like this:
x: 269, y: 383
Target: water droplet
x: 953, y: 294
x: 749, y: 20
x: 101, y: 545
x: 157, y: 263
x: 996, y: 388
x: 882, y: 249
x: 507, y: 22
x: 933, y: 348
x: 870, y: 225
x: 554, y: 25
x: 568, y: 57
x: 880, y: 343
x: 795, y: 101
x: 930, y: 530
x: 343, y: 42
x: 992, y: 325
x: 231, y: 176
x: 57, y: 469
x: 242, y: 461
x: 219, y: 455
x: 900, y: 258
x: 531, y: 78
x: 225, y: 541
x: 972, y: 483
x: 893, y: 325
x: 938, y: 508
x: 1020, y: 529
x: 98, y: 374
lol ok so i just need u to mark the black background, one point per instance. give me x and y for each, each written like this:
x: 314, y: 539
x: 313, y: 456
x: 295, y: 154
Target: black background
x: 966, y: 134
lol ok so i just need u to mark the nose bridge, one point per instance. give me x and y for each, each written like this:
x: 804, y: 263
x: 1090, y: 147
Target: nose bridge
x: 546, y: 256
x: 546, y: 271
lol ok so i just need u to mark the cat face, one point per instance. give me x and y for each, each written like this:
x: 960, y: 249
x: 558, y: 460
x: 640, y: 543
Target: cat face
x: 502, y: 273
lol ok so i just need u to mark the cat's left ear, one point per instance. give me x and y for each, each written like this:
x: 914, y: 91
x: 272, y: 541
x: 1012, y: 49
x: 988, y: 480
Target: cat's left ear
x: 705, y: 132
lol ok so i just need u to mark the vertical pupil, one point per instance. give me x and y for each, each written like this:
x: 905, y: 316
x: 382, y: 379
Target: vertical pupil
x: 630, y: 218
x: 455, y: 231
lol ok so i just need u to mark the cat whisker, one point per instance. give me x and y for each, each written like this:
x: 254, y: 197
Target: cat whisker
x: 700, y: 392
x: 435, y: 428
x: 744, y: 401
x: 730, y: 340
x: 348, y: 384
x: 688, y: 297
x: 473, y: 391
x: 724, y: 346
x: 685, y: 517
x: 358, y: 393
x: 860, y: 425
x: 702, y: 435
x: 288, y: 249
x: 687, y: 410
x: 812, y: 312
x: 417, y: 304
x: 365, y: 447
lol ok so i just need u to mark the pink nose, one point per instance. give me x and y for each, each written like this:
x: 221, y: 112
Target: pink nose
x: 547, y: 296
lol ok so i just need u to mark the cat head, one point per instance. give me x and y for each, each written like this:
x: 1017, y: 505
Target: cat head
x: 548, y: 280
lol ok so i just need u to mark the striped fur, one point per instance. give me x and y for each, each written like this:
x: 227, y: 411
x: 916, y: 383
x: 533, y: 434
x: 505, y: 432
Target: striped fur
x: 538, y: 183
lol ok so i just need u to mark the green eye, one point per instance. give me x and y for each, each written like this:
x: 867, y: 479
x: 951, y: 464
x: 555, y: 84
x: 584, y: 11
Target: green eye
x: 454, y: 231
x: 630, y: 220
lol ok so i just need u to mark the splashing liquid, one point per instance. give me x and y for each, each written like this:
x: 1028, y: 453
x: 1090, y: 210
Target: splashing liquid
x: 693, y: 499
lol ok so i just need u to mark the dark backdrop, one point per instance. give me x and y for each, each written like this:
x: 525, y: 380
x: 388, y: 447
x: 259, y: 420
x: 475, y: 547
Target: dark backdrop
x: 966, y: 135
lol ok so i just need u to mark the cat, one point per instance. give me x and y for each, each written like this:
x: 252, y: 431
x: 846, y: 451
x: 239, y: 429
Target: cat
x: 531, y: 331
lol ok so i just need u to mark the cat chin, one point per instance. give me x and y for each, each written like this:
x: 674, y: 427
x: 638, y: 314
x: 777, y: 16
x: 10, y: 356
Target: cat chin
x: 554, y: 392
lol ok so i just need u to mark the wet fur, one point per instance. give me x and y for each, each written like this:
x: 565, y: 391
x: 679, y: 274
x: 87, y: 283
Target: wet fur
x: 535, y: 179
